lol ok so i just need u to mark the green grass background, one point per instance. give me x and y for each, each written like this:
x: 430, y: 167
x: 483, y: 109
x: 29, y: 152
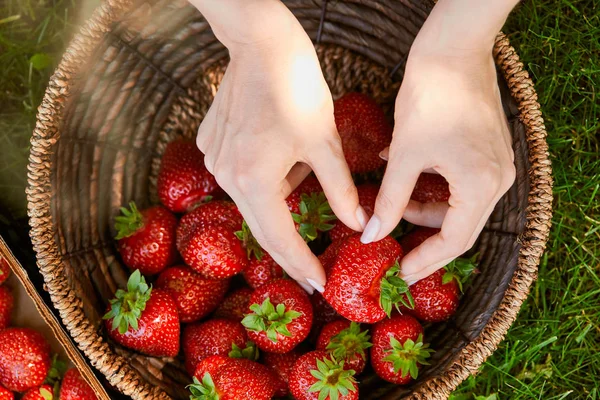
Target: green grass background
x: 553, y: 350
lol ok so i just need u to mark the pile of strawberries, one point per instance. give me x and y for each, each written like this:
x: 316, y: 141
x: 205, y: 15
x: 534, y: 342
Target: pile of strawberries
x: 26, y: 365
x: 249, y: 332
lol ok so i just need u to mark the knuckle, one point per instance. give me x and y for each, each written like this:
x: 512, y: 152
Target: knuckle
x: 274, y: 245
x: 384, y: 202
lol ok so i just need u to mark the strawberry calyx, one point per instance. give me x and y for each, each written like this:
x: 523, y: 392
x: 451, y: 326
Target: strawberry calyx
x: 267, y: 318
x: 315, y: 215
x: 205, y: 390
x: 129, y: 222
x: 250, y: 352
x: 460, y: 269
x: 332, y: 379
x: 55, y: 375
x: 48, y: 395
x: 249, y: 242
x: 406, y: 357
x: 394, y: 291
x: 127, y: 306
x: 349, y: 343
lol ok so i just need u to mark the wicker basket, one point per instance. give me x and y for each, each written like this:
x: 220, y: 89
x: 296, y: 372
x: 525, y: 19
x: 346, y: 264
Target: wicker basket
x: 142, y: 73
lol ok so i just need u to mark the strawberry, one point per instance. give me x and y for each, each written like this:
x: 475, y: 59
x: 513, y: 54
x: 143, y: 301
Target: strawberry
x: 310, y: 209
x: 194, y: 295
x: 74, y: 387
x: 44, y: 392
x: 344, y: 340
x: 211, y: 365
x: 398, y: 349
x: 367, y: 195
x: 6, y: 306
x: 207, y: 241
x: 364, y: 131
x: 6, y: 394
x: 144, y: 319
x: 280, y: 316
x: 183, y: 180
x: 24, y: 359
x: 364, y: 283
x: 263, y: 270
x: 146, y: 239
x: 431, y: 188
x: 417, y: 236
x: 327, y: 258
x: 234, y: 379
x: 235, y: 305
x: 213, y: 337
x: 282, y: 364
x: 316, y: 375
x: 322, y: 312
x: 4, y: 270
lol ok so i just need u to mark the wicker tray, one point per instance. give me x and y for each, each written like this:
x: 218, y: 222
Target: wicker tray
x: 141, y: 73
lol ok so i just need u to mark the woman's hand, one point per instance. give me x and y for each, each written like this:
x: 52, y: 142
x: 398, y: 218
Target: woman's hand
x: 271, y: 122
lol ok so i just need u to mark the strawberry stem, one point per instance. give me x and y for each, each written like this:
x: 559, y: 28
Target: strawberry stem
x: 249, y: 242
x: 315, y: 215
x: 204, y: 390
x: 249, y: 352
x: 270, y: 319
x: 394, y: 291
x: 349, y: 343
x: 406, y: 357
x: 332, y: 379
x: 127, y: 306
x: 129, y: 222
x: 460, y: 269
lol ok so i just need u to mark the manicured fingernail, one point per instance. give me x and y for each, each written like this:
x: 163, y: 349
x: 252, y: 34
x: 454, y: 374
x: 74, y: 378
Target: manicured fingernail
x: 319, y: 288
x: 371, y: 230
x: 384, y: 155
x: 307, y: 288
x: 362, y: 217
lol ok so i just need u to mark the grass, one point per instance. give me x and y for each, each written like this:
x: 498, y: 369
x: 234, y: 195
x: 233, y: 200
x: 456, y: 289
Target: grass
x: 553, y: 349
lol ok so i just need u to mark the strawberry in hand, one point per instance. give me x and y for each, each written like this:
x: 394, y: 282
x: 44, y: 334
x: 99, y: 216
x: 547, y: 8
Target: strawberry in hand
x: 144, y: 319
x: 345, y: 340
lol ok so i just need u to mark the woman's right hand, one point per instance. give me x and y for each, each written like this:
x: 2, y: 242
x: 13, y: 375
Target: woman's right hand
x: 270, y: 124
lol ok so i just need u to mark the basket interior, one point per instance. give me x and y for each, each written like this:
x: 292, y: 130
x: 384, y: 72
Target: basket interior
x: 153, y: 78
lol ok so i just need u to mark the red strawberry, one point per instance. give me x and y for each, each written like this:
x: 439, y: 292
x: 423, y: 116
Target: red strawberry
x: 6, y: 394
x: 211, y: 365
x: 146, y: 239
x: 310, y: 209
x: 24, y: 359
x: 280, y: 316
x: 364, y: 283
x: 74, y: 387
x: 213, y: 337
x: 6, y: 306
x: 367, y: 195
x: 398, y: 349
x: 417, y: 236
x: 282, y: 364
x: 236, y: 379
x: 316, y: 375
x: 4, y: 270
x: 431, y: 188
x: 44, y: 392
x: 235, y: 305
x: 195, y: 296
x: 144, y: 319
x: 322, y: 311
x: 364, y: 131
x: 207, y: 241
x: 258, y: 272
x: 328, y: 257
x: 183, y: 180
x: 344, y: 340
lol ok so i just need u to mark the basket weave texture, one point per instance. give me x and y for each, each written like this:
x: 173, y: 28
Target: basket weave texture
x: 141, y: 73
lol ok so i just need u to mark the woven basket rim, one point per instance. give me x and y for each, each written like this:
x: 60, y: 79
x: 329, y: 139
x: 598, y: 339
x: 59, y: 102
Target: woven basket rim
x: 119, y: 373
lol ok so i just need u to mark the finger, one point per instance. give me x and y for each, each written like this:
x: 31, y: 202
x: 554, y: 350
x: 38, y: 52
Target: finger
x: 385, y: 154
x: 426, y: 214
x: 398, y: 183
x: 297, y: 174
x: 332, y: 171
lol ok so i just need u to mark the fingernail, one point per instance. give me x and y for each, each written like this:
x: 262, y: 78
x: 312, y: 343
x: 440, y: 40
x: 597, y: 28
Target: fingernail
x: 384, y: 155
x: 319, y: 288
x: 307, y: 288
x: 371, y: 230
x: 362, y: 217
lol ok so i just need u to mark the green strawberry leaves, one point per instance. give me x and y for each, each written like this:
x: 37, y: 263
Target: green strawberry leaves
x: 332, y: 380
x: 349, y: 343
x: 406, y: 357
x: 204, y: 390
x: 129, y: 222
x: 315, y: 215
x: 46, y: 394
x: 270, y: 319
x: 127, y: 306
x: 460, y: 269
x: 394, y: 291
x: 250, y: 352
x: 249, y: 242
